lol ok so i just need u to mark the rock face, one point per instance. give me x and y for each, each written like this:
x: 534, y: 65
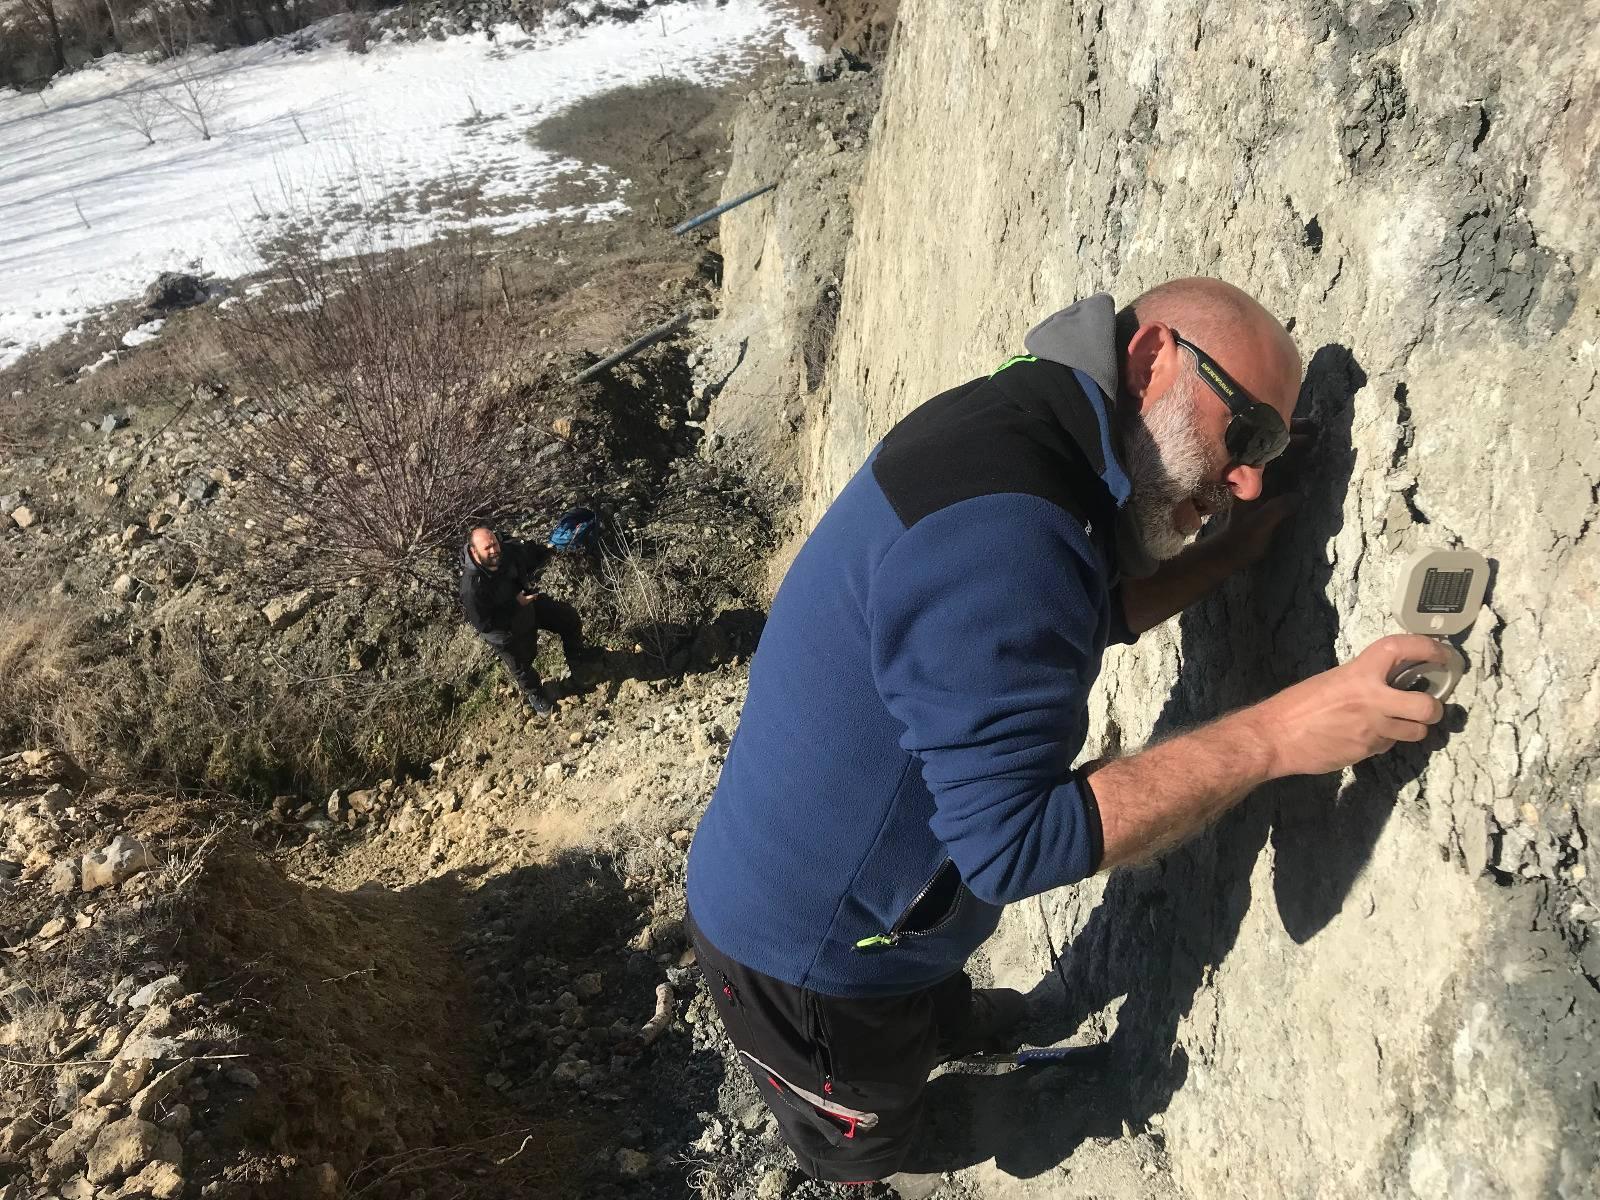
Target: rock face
x: 174, y: 290
x: 783, y: 255
x: 1383, y: 983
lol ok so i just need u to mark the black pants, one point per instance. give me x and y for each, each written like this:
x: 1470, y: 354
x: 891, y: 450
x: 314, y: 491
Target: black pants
x: 845, y: 1078
x: 518, y: 653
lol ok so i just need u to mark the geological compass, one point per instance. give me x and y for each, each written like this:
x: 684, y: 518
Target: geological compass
x: 1439, y: 596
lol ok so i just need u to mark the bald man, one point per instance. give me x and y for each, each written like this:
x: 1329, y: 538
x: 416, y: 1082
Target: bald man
x: 502, y: 601
x: 905, y: 763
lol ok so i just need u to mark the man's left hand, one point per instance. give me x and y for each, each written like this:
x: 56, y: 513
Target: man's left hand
x: 1251, y: 527
x: 1252, y: 524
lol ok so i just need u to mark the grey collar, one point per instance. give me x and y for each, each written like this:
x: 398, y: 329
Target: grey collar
x: 1082, y: 336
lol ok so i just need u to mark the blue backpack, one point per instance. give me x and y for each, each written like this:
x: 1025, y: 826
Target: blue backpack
x: 575, y: 532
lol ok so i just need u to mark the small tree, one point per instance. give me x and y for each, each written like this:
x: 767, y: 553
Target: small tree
x: 139, y: 109
x: 192, y: 87
x: 383, y: 420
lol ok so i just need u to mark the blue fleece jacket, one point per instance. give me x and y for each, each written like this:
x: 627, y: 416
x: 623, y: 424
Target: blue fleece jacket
x: 903, y: 766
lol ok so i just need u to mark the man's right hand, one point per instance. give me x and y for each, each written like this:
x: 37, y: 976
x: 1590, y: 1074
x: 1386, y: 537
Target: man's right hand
x: 1351, y: 712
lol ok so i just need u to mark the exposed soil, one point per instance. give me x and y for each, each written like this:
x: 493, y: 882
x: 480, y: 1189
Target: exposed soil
x: 668, y: 140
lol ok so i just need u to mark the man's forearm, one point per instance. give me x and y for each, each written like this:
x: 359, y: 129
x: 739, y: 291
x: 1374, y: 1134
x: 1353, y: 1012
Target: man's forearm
x: 1151, y: 801
x: 1199, y: 570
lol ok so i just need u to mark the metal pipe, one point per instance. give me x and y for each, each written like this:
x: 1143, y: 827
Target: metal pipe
x: 633, y: 347
x: 721, y: 208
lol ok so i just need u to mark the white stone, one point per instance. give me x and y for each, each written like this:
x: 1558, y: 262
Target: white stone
x: 122, y: 859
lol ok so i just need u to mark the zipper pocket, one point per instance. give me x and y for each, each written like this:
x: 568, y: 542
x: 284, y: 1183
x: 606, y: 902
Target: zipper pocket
x: 879, y: 942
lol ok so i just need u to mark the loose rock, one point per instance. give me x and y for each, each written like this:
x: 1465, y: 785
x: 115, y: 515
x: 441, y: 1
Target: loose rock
x: 126, y: 1146
x: 159, y: 991
x: 633, y: 1163
x: 119, y: 861
x: 122, y: 1081
x: 284, y: 611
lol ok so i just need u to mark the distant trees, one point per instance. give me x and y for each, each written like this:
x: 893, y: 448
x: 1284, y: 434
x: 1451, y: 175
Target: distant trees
x: 48, y: 20
x: 40, y: 38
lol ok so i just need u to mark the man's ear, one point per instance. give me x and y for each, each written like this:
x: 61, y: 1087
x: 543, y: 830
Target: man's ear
x: 1141, y: 370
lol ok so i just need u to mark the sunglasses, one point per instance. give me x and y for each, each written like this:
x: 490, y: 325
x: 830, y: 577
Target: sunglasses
x: 1256, y: 434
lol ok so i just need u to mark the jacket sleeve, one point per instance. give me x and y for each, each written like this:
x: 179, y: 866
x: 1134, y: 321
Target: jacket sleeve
x: 528, y: 560
x: 983, y: 619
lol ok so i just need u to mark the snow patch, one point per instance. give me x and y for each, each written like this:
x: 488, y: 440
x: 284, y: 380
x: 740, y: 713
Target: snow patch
x: 140, y: 334
x: 431, y: 135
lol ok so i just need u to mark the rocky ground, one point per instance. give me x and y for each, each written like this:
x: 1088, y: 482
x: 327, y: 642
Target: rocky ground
x: 296, y: 897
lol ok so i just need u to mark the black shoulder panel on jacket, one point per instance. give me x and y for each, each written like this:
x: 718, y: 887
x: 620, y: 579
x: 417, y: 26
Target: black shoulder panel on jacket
x: 1028, y: 429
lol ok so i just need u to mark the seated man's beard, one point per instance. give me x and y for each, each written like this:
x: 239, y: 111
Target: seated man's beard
x: 1168, y: 461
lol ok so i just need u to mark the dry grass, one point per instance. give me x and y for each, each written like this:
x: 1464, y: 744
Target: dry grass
x: 188, y: 712
x: 644, y: 604
x: 10, y: 423
x: 39, y: 668
x: 162, y: 373
x: 816, y: 346
x: 43, y: 396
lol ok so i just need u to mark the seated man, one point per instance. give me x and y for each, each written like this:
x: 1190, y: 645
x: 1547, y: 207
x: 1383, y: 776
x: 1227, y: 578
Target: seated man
x: 498, y: 592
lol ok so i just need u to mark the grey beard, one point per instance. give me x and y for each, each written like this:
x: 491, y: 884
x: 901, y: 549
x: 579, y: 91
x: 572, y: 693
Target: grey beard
x: 1167, y: 462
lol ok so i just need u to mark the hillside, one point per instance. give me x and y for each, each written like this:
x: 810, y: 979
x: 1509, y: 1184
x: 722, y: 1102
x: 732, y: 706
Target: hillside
x: 298, y: 899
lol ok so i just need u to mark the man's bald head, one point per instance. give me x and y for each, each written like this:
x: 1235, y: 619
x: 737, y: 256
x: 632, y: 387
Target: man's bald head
x: 1228, y: 324
x: 1174, y: 429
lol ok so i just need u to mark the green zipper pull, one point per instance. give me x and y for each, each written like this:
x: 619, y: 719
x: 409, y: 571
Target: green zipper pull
x: 878, y: 941
x: 1013, y: 361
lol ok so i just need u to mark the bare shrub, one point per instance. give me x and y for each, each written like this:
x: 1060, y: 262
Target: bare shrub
x: 192, y: 87
x: 384, y: 422
x: 139, y: 109
x: 644, y: 603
